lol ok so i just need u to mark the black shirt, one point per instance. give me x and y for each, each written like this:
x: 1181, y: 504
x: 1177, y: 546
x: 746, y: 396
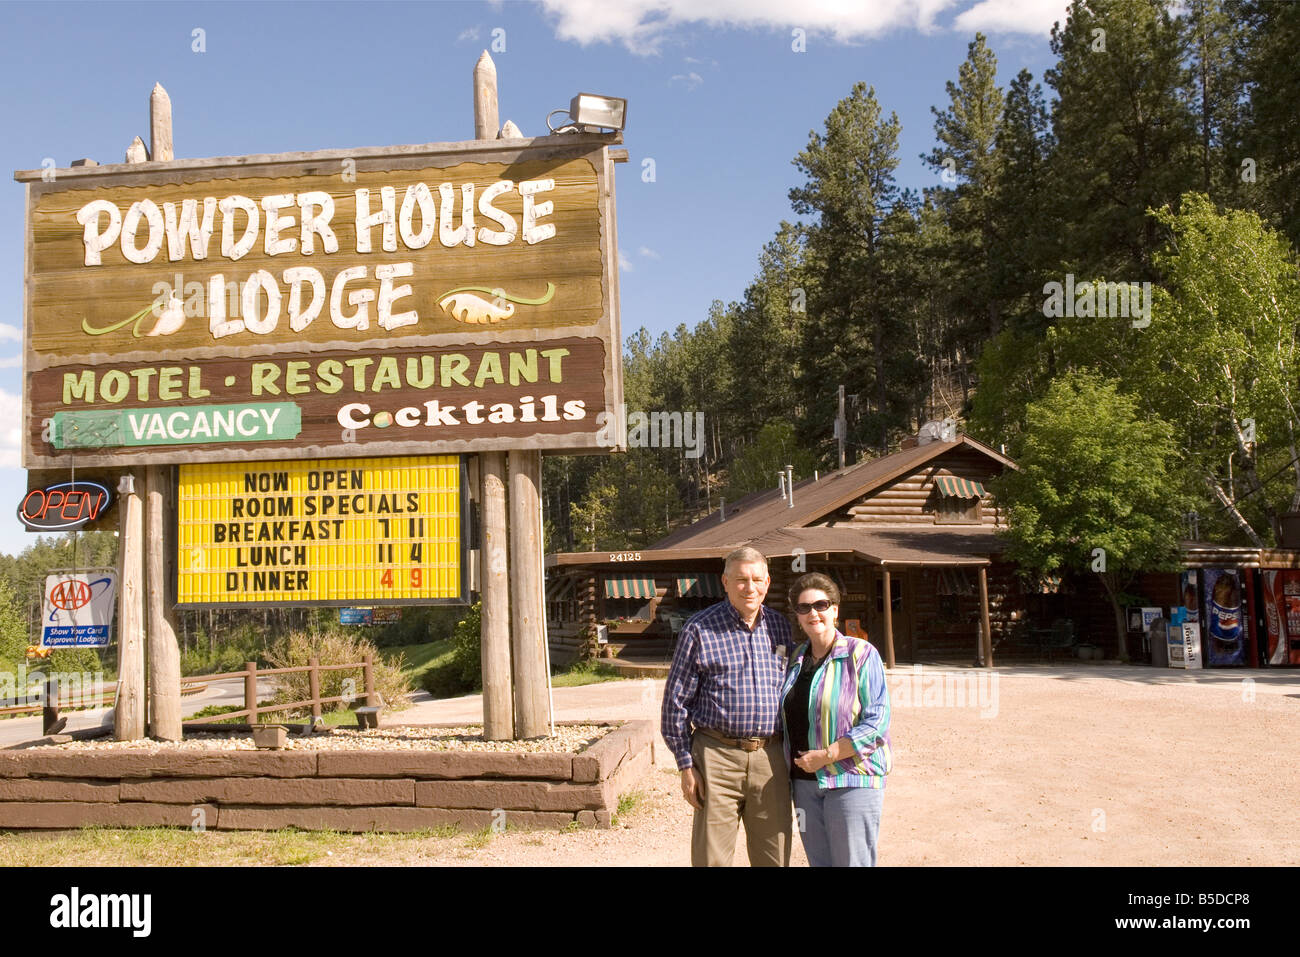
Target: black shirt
x: 796, y: 715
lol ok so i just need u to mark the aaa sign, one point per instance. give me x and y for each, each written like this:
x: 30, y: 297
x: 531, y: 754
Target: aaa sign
x: 336, y: 532
x: 78, y: 610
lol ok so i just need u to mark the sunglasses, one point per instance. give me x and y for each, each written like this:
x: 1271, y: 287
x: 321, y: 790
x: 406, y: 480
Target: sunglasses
x: 804, y: 607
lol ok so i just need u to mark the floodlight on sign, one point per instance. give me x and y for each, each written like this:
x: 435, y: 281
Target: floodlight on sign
x: 591, y: 110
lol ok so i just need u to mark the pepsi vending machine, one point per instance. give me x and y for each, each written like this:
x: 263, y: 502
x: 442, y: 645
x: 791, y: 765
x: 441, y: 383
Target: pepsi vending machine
x: 1224, y: 632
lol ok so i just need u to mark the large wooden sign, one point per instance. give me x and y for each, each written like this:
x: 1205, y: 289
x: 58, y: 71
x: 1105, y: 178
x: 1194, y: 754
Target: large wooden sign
x: 325, y: 532
x: 444, y: 298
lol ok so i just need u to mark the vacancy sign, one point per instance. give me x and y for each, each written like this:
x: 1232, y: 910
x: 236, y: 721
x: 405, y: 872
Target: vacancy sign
x: 78, y: 609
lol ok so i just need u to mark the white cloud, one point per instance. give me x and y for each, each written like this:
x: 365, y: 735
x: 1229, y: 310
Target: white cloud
x: 469, y: 33
x: 11, y: 362
x: 625, y: 262
x: 11, y: 417
x: 641, y: 25
x: 692, y: 79
x: 10, y: 332
x: 702, y: 61
x: 648, y: 253
x: 1012, y: 16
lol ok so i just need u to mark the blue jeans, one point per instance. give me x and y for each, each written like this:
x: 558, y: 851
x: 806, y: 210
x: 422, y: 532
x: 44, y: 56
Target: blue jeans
x: 838, y: 826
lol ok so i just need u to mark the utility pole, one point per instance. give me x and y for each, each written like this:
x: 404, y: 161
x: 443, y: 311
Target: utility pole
x: 841, y: 427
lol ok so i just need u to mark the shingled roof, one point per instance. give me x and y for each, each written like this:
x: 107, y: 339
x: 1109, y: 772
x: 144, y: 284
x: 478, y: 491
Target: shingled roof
x: 759, y: 514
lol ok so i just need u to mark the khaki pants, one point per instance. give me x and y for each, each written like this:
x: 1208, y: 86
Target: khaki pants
x: 753, y: 786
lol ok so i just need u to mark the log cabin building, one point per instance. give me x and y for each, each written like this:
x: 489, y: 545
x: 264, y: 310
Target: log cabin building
x: 918, y: 525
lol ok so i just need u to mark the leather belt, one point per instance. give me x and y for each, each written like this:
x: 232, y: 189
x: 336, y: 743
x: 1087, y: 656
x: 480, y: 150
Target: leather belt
x: 745, y: 744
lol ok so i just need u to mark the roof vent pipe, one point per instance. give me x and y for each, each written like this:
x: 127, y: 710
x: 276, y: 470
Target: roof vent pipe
x: 781, y: 477
x: 789, y: 483
x: 722, y: 507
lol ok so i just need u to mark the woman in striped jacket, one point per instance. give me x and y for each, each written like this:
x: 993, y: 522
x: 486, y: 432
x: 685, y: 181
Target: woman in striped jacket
x: 836, y: 708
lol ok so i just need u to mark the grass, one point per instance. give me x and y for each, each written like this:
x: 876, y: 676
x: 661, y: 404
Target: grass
x: 168, y: 847
x: 585, y: 673
x: 627, y: 803
x: 416, y: 658
x: 481, y: 838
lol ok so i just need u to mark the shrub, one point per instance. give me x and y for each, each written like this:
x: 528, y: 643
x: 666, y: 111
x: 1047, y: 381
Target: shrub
x: 74, y: 660
x: 467, y: 646
x: 443, y: 680
x: 296, y: 649
x: 230, y: 654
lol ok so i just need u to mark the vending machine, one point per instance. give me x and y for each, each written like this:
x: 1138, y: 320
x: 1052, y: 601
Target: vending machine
x: 1282, y: 616
x: 1224, y: 626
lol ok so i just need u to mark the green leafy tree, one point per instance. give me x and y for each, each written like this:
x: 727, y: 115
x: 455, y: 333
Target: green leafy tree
x: 1093, y: 492
x: 773, y: 449
x: 1218, y: 362
x: 629, y: 503
x: 13, y: 630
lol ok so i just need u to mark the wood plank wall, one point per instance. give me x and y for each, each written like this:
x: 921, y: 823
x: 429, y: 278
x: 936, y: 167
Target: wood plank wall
x: 908, y: 500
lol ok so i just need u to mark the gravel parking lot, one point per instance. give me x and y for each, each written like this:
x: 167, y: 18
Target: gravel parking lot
x: 1100, y: 764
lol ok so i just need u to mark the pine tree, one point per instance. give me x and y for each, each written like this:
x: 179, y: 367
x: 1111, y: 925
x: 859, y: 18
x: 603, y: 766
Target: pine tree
x: 1125, y: 138
x: 852, y: 335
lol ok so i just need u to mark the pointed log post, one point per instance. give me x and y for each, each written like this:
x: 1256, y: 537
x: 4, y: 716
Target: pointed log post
x: 159, y: 543
x: 486, y: 117
x: 494, y: 585
x: 136, y: 152
x: 129, y: 716
x: 494, y: 580
x: 160, y: 124
x: 527, y: 602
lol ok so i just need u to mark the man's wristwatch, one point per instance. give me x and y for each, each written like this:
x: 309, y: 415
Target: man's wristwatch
x: 829, y: 760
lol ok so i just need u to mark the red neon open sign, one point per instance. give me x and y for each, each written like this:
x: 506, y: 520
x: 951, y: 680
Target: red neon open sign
x: 63, y: 507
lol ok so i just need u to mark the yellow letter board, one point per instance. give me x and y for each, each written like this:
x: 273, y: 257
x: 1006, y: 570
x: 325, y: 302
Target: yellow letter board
x: 379, y: 531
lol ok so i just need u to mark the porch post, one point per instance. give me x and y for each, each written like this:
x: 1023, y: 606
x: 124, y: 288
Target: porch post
x: 986, y: 634
x: 889, y: 618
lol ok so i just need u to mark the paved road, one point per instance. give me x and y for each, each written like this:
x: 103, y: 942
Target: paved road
x: 18, y: 730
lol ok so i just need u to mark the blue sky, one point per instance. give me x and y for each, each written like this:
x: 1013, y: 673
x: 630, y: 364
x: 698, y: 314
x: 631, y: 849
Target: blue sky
x: 717, y: 97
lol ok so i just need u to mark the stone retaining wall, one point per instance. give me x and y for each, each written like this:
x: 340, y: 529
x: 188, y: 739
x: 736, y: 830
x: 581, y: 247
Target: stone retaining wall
x: 342, y: 790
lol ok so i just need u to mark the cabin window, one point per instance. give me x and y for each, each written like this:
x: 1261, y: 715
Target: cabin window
x: 951, y: 510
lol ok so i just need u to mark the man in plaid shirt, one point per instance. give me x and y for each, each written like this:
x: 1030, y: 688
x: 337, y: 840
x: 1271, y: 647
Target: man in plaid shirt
x: 720, y: 719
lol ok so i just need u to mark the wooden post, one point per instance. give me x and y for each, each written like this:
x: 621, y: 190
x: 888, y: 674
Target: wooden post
x: 527, y: 602
x: 250, y: 690
x: 368, y: 672
x: 986, y: 633
x: 129, y: 717
x: 313, y: 687
x: 486, y: 117
x: 889, y: 618
x: 164, y: 680
x: 498, y: 695
x: 163, y: 652
x: 160, y: 125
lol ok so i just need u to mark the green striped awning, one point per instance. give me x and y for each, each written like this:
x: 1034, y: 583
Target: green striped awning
x: 953, y: 487
x: 704, y: 585
x: 629, y: 587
